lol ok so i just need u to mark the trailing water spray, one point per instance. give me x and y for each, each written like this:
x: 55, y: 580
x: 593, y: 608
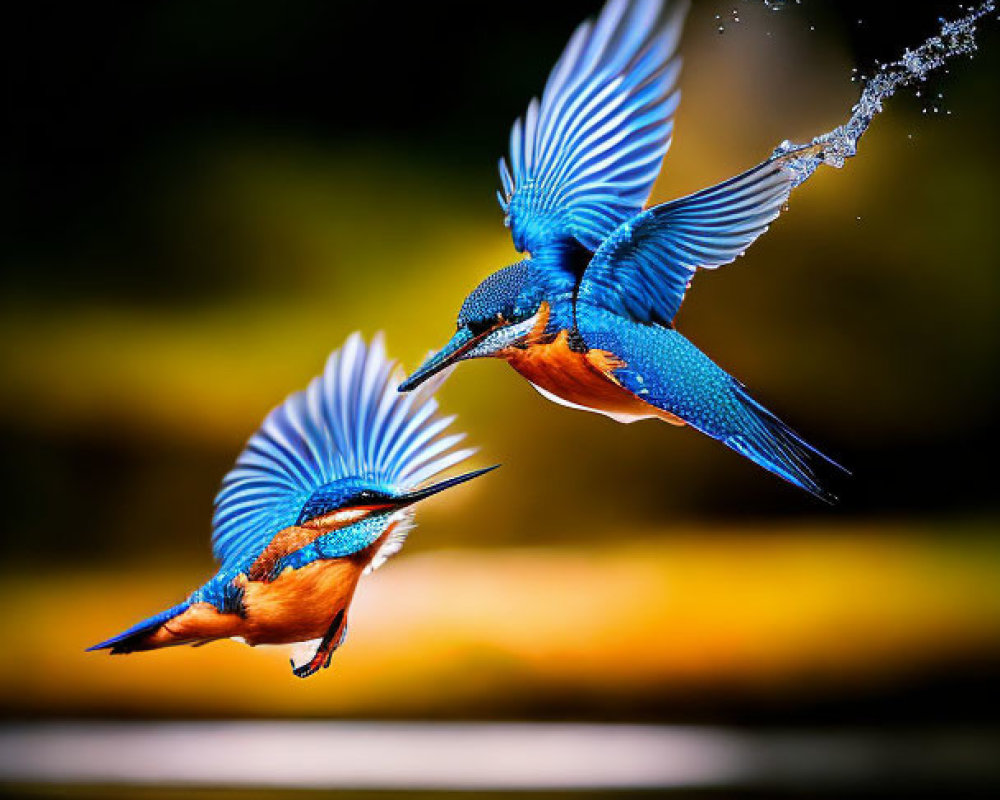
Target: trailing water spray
x: 956, y: 38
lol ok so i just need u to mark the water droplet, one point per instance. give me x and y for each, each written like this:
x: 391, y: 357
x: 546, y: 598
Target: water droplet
x: 832, y: 148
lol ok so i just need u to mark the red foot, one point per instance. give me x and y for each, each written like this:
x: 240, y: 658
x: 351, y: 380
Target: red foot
x: 324, y: 653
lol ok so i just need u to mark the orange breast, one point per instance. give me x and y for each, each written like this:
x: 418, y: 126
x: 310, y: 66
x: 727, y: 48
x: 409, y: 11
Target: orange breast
x: 296, y: 606
x: 584, y: 379
x: 299, y: 604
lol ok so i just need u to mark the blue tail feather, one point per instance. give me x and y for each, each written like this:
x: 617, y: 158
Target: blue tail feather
x: 769, y: 442
x: 127, y: 640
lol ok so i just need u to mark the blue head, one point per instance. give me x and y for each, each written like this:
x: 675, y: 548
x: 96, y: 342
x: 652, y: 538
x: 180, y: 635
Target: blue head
x: 345, y: 503
x: 501, y: 312
x: 348, y: 516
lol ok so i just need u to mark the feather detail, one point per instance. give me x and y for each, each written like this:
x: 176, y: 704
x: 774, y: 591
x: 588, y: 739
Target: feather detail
x: 404, y: 523
x: 643, y: 269
x: 349, y: 423
x: 584, y: 158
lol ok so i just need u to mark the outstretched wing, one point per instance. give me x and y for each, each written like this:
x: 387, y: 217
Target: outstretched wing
x: 584, y: 159
x: 644, y: 268
x: 349, y: 422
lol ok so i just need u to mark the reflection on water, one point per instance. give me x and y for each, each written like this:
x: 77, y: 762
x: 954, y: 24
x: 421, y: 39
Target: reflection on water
x: 466, y: 757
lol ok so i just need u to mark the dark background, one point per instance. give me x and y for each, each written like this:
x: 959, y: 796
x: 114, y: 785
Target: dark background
x: 204, y: 198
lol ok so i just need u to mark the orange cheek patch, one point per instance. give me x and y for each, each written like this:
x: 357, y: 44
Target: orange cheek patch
x: 284, y: 542
x: 537, y: 332
x: 298, y: 536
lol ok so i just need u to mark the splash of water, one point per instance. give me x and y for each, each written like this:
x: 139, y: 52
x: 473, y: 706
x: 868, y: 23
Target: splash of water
x: 956, y: 38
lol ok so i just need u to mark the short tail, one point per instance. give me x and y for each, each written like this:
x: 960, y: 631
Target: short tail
x: 766, y: 440
x: 143, y: 636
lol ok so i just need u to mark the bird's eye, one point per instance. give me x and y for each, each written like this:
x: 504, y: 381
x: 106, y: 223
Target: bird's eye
x: 479, y: 327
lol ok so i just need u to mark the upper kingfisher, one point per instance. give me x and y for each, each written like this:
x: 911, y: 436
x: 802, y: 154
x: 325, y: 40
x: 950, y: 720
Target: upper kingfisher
x: 588, y: 316
x: 322, y: 494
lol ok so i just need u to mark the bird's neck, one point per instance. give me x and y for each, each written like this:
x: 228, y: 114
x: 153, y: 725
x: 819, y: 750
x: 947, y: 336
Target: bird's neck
x: 556, y: 271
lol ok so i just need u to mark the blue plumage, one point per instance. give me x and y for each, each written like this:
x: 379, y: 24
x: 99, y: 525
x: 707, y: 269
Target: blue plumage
x: 322, y: 493
x: 500, y: 293
x: 348, y: 425
x: 588, y: 317
x: 141, y: 628
x: 584, y: 159
x: 642, y: 270
x: 665, y: 370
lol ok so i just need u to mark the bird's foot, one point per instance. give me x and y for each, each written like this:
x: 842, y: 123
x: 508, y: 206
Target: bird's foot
x: 332, y: 639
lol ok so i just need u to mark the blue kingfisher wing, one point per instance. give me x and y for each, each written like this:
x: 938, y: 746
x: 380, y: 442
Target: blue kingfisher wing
x: 349, y: 423
x: 664, y: 369
x: 644, y: 268
x: 585, y: 159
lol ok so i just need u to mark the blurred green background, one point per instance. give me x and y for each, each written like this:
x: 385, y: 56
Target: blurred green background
x: 203, y: 199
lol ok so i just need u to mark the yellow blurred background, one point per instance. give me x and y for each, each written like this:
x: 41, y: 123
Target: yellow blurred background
x: 208, y: 198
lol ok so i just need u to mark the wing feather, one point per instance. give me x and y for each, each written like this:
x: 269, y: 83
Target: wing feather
x: 645, y: 267
x: 584, y: 158
x: 349, y: 422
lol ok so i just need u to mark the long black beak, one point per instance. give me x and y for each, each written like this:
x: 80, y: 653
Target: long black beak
x: 416, y: 496
x: 451, y: 353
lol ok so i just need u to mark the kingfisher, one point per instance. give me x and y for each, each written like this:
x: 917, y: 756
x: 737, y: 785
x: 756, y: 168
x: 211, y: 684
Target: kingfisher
x: 323, y: 493
x: 587, y: 317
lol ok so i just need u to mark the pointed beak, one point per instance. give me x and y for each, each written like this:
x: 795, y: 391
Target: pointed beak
x: 457, y: 348
x: 464, y: 344
x: 416, y: 496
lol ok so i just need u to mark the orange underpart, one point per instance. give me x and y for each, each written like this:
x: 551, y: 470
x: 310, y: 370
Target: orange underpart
x: 296, y: 606
x: 584, y: 379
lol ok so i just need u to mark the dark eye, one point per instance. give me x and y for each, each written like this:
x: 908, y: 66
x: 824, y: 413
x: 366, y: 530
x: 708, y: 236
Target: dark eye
x: 479, y: 327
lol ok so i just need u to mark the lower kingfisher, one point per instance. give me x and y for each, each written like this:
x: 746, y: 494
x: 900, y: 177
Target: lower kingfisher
x: 322, y: 494
x: 588, y: 316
